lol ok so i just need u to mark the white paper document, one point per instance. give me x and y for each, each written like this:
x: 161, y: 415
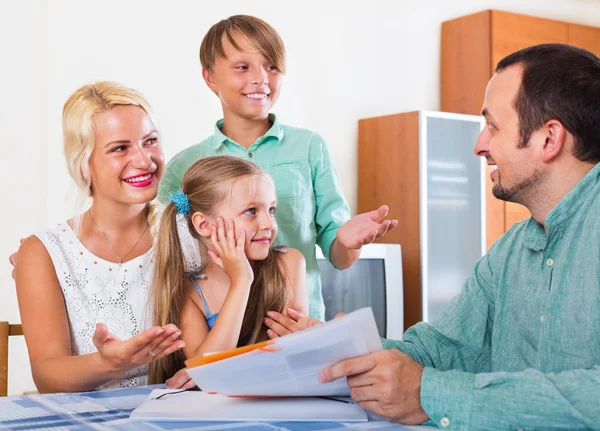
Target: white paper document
x: 293, y: 362
x: 203, y: 407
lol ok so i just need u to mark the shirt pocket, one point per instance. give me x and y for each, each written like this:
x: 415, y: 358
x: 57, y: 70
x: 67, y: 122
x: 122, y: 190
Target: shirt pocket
x: 292, y: 179
x: 295, y: 197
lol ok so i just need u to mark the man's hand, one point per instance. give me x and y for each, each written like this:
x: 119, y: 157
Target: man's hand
x: 387, y: 383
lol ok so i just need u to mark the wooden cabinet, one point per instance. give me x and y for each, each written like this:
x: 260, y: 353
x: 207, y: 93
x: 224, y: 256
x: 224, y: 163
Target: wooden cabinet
x: 383, y: 139
x: 585, y: 37
x: 471, y: 47
x: 421, y: 165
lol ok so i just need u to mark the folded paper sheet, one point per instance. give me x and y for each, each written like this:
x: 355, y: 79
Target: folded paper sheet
x: 204, y: 407
x: 290, y: 365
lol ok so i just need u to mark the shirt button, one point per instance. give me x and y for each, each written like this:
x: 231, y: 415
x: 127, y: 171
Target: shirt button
x: 549, y: 262
x: 250, y: 155
x: 520, y: 429
x: 445, y: 422
x: 542, y: 317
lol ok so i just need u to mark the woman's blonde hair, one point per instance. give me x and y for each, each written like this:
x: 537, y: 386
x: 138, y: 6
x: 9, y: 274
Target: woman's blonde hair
x: 207, y: 184
x: 78, y: 126
x: 260, y: 34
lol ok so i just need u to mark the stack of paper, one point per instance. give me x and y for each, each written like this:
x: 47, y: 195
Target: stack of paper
x: 204, y: 407
x: 290, y: 365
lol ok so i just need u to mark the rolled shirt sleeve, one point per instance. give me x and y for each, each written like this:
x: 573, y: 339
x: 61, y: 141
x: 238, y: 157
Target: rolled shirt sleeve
x: 332, y: 209
x: 507, y: 401
x: 460, y: 338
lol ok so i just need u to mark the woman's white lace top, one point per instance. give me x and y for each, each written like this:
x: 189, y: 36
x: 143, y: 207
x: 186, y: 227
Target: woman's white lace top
x: 98, y: 291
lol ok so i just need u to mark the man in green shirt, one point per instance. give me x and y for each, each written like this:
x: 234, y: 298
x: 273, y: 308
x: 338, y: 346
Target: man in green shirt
x: 519, y: 348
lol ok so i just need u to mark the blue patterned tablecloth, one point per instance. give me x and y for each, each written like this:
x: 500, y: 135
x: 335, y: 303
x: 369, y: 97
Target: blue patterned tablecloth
x: 111, y: 409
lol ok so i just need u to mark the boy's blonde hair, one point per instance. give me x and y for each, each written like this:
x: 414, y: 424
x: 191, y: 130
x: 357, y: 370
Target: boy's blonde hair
x: 260, y: 34
x: 79, y: 130
x: 207, y: 184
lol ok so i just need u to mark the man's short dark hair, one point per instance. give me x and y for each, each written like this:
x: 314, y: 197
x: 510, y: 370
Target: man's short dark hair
x: 559, y: 82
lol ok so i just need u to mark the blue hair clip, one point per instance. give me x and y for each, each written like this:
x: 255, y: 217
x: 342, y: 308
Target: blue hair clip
x: 181, y: 201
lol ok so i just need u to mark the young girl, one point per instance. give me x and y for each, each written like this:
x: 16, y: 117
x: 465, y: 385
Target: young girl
x: 83, y: 285
x: 243, y: 62
x: 226, y: 207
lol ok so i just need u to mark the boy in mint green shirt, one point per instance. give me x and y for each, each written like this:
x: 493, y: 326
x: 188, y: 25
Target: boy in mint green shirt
x: 242, y: 63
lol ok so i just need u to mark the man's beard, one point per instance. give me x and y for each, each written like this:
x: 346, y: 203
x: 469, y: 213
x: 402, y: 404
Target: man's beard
x: 518, y: 193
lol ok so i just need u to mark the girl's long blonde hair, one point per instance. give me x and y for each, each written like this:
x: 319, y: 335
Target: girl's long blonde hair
x: 78, y: 127
x: 208, y: 183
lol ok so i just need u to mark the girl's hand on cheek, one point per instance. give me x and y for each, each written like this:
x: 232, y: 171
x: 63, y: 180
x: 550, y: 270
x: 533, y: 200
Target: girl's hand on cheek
x: 228, y: 253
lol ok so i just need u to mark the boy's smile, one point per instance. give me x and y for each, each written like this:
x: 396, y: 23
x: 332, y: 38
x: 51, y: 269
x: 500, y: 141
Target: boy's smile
x: 258, y: 96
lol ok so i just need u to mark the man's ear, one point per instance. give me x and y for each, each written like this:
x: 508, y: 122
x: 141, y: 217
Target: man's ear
x: 555, y: 140
x: 209, y: 79
x: 202, y: 224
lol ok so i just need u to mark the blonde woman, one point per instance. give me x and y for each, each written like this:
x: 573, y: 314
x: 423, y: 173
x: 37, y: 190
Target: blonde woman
x: 83, y: 286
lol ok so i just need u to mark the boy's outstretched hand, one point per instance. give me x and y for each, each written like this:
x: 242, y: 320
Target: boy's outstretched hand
x: 365, y: 228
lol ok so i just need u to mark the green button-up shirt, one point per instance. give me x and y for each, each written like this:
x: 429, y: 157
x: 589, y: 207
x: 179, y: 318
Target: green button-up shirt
x: 310, y: 202
x: 520, y: 346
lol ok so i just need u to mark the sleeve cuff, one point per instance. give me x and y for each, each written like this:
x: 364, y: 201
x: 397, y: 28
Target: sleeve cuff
x: 391, y: 344
x: 326, y: 242
x: 447, y: 397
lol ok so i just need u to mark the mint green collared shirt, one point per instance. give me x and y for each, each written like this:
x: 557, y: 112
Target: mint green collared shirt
x: 310, y: 202
x: 520, y: 346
